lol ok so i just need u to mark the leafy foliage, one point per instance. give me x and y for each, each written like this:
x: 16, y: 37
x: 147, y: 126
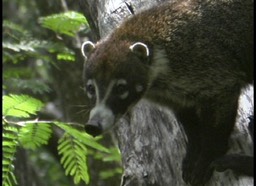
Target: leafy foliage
x: 82, y: 136
x: 10, y: 141
x: 27, y: 60
x: 15, y: 31
x: 34, y: 135
x: 113, y: 155
x: 105, y: 174
x: 74, y: 158
x: 64, y: 23
x: 20, y: 105
x: 19, y: 43
x: 73, y: 148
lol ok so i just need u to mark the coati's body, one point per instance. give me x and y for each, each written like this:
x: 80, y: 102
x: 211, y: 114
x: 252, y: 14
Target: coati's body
x: 193, y: 56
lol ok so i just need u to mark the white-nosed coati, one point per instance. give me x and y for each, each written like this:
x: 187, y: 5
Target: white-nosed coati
x: 193, y: 56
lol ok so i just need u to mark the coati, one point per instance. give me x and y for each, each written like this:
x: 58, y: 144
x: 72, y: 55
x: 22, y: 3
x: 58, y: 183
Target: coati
x: 192, y: 56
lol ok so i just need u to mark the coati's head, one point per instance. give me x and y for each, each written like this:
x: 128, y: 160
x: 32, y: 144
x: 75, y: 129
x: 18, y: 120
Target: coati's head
x: 116, y: 77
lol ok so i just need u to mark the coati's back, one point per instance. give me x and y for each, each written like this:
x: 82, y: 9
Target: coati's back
x: 193, y: 56
x: 207, y: 46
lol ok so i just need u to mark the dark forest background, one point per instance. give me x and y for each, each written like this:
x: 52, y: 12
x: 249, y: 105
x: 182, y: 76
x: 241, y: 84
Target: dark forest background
x: 42, y: 61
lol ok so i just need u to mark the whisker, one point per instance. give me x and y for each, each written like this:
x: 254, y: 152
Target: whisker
x: 85, y: 111
x: 81, y: 106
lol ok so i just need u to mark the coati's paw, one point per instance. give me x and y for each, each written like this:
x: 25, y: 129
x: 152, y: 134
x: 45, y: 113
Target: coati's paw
x: 223, y: 163
x: 197, y: 173
x: 240, y: 164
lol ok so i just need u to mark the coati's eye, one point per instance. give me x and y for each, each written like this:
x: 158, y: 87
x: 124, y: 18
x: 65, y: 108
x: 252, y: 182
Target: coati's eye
x: 90, y: 89
x: 121, y: 89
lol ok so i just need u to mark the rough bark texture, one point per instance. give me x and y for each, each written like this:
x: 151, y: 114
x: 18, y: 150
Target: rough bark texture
x: 153, y: 146
x: 151, y: 141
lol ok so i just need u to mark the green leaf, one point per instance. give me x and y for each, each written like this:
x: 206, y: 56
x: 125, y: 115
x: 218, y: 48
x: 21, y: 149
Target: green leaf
x: 12, y: 26
x: 69, y: 167
x: 66, y: 57
x: 74, y: 158
x: 64, y: 23
x: 34, y: 135
x: 82, y: 136
x: 14, y: 30
x: 9, y: 150
x: 110, y: 173
x: 20, y: 105
x: 113, y: 155
x: 23, y: 46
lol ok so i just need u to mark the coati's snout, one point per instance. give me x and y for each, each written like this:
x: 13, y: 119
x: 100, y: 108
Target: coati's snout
x: 101, y: 118
x: 95, y: 124
x: 94, y: 128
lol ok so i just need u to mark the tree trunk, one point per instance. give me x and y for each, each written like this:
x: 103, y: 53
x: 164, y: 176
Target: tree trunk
x: 151, y: 141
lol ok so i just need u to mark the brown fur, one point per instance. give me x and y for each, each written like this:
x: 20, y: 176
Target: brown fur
x: 201, y: 56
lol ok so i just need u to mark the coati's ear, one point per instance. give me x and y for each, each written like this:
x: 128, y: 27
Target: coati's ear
x: 140, y: 49
x: 86, y: 48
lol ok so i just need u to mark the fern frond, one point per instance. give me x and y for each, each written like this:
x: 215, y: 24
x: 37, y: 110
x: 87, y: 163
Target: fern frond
x: 14, y: 72
x: 82, y: 136
x: 16, y: 51
x: 9, y: 148
x: 24, y: 46
x: 64, y: 23
x: 33, y: 135
x: 20, y: 105
x: 74, y: 158
x: 14, y: 30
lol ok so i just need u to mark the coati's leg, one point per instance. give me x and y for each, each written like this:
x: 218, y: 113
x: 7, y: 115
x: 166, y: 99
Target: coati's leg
x: 242, y: 165
x: 217, y: 119
x: 239, y: 163
x: 208, y: 129
x: 190, y: 122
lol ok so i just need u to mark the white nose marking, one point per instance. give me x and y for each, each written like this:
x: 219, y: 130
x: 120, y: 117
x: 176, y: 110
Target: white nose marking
x: 108, y: 91
x: 101, y: 110
x: 104, y: 115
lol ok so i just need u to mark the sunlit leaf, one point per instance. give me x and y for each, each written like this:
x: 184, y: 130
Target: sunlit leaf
x: 64, y: 23
x: 33, y: 135
x: 20, y: 105
x: 9, y: 150
x: 73, y: 158
x: 66, y: 57
x: 82, y: 136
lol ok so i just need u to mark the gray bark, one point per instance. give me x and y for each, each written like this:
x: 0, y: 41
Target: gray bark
x: 151, y: 141
x: 153, y: 144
